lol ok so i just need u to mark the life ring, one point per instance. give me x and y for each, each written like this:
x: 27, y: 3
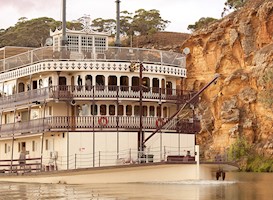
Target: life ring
x: 103, y: 121
x: 159, y: 122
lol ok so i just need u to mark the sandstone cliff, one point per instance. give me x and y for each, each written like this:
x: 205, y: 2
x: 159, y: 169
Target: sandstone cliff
x: 240, y: 48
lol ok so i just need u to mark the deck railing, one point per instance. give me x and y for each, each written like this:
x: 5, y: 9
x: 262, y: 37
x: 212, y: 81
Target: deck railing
x: 122, y: 54
x: 14, y: 166
x: 85, y: 123
x: 53, y: 161
x: 94, y: 92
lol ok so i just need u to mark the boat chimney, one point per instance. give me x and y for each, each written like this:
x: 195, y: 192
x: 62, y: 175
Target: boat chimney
x: 64, y: 38
x: 117, y: 43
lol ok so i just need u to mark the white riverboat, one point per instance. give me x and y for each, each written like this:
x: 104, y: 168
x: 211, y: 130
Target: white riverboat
x: 87, y: 112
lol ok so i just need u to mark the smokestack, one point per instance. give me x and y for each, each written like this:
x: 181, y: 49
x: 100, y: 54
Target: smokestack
x: 64, y: 38
x: 117, y: 43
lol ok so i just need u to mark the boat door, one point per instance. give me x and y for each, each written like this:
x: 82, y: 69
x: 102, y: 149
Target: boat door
x: 62, y: 83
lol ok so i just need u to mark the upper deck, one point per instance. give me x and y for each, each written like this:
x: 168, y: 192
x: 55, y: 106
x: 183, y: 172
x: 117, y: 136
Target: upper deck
x: 86, y: 50
x: 112, y: 54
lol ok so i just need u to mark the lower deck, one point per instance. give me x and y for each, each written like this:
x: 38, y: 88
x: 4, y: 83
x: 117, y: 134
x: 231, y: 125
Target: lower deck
x: 134, y: 173
x: 75, y: 150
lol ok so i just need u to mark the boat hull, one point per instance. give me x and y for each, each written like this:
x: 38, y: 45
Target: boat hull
x: 150, y: 172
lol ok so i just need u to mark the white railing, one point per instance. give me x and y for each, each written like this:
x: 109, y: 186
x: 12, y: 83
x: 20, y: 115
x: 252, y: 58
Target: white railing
x: 110, y: 54
x: 113, y: 158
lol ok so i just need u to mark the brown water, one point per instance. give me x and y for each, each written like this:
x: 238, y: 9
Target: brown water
x: 238, y: 186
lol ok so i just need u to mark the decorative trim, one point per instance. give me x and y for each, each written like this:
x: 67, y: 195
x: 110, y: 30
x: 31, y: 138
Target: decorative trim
x: 89, y: 66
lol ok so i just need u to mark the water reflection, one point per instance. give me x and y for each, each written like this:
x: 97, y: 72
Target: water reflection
x: 247, y: 186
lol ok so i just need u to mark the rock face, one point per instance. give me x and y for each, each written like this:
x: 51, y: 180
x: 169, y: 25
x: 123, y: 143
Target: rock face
x: 240, y: 48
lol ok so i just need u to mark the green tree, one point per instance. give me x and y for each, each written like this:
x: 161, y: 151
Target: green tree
x: 106, y: 25
x: 201, y: 23
x: 126, y: 19
x: 29, y: 33
x: 147, y: 22
x: 236, y: 4
x: 238, y: 149
x: 233, y: 4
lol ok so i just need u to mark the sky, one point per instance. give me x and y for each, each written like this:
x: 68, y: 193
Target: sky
x: 181, y: 13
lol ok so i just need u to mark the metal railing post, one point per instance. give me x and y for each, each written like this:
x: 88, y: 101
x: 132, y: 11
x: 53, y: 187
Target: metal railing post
x: 99, y: 158
x: 75, y: 161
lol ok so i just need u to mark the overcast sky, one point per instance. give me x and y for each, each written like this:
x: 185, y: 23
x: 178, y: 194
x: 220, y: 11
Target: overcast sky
x: 181, y: 13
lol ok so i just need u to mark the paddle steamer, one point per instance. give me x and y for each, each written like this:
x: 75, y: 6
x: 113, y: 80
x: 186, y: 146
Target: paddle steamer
x: 82, y: 105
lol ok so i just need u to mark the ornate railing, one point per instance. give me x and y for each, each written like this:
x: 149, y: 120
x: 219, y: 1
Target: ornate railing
x: 95, y: 123
x: 111, y: 54
x: 95, y: 92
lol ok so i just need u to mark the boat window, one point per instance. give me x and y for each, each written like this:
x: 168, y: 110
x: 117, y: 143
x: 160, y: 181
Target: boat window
x: 112, y: 83
x: 128, y: 110
x: 62, y: 83
x: 84, y: 110
x: 145, y: 110
x: 21, y: 87
x: 155, y: 85
x: 135, y: 83
x: 146, y: 84
x: 34, y: 85
x: 152, y: 111
x: 100, y: 82
x: 124, y: 83
x: 40, y: 83
x: 163, y: 86
x: 136, y: 110
x: 165, y: 112
x: 112, y: 110
x: 88, y: 82
x: 24, y: 115
x: 79, y: 80
x: 79, y: 110
x: 102, y: 109
x: 21, y: 146
x: 73, y: 43
x: 158, y: 111
x: 100, y: 44
x: 169, y: 88
x: 87, y: 43
x: 46, y: 145
x: 95, y: 110
x: 33, y: 145
x: 6, y: 148
x: 50, y: 81
x: 120, y: 110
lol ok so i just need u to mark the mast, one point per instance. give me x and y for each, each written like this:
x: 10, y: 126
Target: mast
x: 185, y: 104
x: 64, y: 37
x: 117, y: 42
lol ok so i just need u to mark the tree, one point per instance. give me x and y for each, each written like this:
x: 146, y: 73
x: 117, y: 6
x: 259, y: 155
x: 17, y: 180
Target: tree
x: 147, y: 22
x: 201, y: 23
x: 106, y: 25
x: 236, y: 4
x: 126, y: 19
x: 31, y: 33
x: 233, y: 4
x: 22, y: 19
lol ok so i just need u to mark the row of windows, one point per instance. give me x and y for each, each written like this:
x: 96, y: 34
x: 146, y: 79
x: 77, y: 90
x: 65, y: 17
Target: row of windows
x: 86, y: 43
x: 22, y: 146
x: 121, y: 110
